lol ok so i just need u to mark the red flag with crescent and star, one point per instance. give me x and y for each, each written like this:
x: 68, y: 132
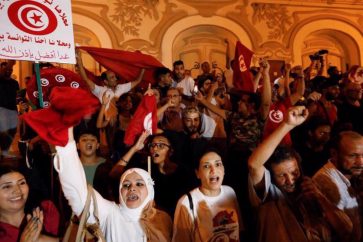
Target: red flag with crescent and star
x: 242, y: 79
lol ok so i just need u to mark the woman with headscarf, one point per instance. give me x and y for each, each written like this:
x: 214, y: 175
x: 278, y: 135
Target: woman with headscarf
x: 134, y: 219
x: 168, y: 173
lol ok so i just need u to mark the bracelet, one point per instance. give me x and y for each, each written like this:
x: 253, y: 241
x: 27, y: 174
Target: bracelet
x: 125, y: 161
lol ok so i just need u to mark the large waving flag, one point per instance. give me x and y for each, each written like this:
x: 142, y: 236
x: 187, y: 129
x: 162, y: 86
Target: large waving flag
x: 67, y: 108
x: 242, y: 79
x: 145, y: 118
x: 50, y: 78
x: 125, y: 64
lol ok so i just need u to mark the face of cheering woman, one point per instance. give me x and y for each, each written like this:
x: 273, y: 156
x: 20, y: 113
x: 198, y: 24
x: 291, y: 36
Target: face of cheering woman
x: 14, y: 192
x: 136, y: 189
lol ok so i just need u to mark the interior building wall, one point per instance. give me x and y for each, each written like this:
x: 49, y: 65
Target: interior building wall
x: 195, y: 30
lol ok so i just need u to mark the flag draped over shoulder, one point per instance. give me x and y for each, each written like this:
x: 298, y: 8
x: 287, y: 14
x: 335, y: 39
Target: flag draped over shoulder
x: 242, y: 79
x: 67, y: 108
x: 125, y: 64
x: 145, y: 118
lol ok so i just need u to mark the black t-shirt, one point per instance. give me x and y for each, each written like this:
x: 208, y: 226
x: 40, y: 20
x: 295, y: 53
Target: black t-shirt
x: 169, y: 188
x: 8, y: 92
x: 349, y: 114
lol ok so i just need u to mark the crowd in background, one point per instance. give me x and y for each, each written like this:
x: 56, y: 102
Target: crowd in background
x: 289, y: 155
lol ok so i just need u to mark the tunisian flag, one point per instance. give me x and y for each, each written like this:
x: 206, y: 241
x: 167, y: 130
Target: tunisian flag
x: 145, y: 118
x: 67, y: 108
x: 50, y: 78
x: 242, y: 79
x: 125, y: 64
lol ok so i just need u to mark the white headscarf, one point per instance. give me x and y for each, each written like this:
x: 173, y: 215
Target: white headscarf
x: 134, y: 214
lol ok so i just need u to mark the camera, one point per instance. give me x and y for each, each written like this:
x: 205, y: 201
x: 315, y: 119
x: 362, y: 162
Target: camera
x: 318, y: 55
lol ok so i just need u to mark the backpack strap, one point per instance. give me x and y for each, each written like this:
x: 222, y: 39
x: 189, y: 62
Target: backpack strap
x: 191, y: 205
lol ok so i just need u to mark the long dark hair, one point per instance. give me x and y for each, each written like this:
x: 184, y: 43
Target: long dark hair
x: 6, y: 168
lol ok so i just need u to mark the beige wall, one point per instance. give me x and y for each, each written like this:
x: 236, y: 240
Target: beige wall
x: 194, y: 30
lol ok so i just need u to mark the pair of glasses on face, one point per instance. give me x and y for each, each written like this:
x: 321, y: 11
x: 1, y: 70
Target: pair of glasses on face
x: 171, y: 96
x: 158, y: 145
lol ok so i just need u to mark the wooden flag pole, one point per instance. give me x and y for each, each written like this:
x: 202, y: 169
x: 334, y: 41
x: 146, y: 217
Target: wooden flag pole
x: 149, y: 165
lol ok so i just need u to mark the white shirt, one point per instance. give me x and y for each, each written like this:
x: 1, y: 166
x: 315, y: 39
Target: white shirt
x: 216, y: 217
x: 113, y: 222
x: 187, y: 84
x: 119, y: 90
x: 335, y: 186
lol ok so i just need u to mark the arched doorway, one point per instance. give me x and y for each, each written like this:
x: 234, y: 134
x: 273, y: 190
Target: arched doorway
x: 342, y: 48
x: 182, y: 37
x: 203, y: 43
x: 342, y: 39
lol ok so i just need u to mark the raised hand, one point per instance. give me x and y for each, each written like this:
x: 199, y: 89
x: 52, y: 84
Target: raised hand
x: 265, y: 65
x: 315, y: 96
x: 149, y: 91
x: 199, y: 96
x: 296, y: 115
x: 139, y: 145
x: 287, y: 68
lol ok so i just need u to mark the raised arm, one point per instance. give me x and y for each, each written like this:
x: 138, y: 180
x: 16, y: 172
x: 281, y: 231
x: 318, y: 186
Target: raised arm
x: 212, y: 89
x: 300, y: 89
x: 295, y: 116
x: 213, y: 108
x: 138, y: 79
x: 73, y: 180
x: 101, y: 121
x: 82, y: 71
x: 163, y: 108
x: 287, y: 70
x: 120, y: 166
x: 266, y: 90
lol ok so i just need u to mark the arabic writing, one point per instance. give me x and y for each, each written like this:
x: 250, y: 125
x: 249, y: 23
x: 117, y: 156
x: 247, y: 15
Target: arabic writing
x: 62, y: 15
x: 15, y: 52
x: 34, y: 39
x: 60, y: 12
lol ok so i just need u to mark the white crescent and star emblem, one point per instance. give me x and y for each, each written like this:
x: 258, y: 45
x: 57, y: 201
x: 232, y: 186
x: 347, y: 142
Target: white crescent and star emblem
x: 148, y: 123
x: 32, y: 17
x: 242, y: 63
x: 276, y: 116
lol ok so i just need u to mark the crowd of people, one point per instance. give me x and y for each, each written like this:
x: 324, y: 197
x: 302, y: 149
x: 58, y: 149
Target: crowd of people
x: 283, y: 163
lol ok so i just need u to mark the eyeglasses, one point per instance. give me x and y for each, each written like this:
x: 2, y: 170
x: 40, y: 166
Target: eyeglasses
x: 158, y: 145
x: 171, y: 96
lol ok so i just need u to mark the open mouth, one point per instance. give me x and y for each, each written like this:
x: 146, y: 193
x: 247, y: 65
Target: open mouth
x: 214, y: 179
x: 132, y: 197
x: 89, y: 147
x: 155, y: 155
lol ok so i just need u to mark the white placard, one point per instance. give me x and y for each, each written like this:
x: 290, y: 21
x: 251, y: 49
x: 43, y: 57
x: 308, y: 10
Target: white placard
x: 37, y: 30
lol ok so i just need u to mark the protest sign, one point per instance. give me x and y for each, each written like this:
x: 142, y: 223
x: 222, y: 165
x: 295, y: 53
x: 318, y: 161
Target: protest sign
x: 38, y: 30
